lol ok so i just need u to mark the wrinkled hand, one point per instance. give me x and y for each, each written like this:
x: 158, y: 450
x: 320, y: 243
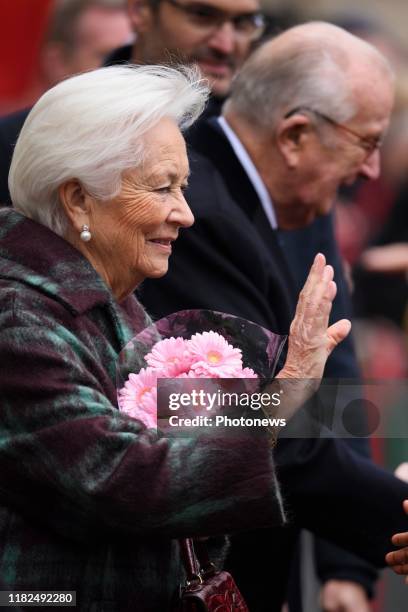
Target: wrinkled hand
x: 398, y: 560
x: 344, y: 596
x: 311, y: 340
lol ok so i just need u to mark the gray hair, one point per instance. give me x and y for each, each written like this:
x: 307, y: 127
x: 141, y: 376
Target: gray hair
x: 307, y: 74
x: 90, y: 127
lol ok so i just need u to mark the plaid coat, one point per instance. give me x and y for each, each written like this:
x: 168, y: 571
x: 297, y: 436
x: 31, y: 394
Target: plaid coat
x: 89, y: 500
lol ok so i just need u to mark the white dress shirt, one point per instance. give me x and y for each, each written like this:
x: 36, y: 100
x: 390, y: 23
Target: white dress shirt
x: 251, y: 171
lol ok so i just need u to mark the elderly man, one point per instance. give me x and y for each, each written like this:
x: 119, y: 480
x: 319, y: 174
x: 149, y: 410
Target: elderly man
x: 301, y: 121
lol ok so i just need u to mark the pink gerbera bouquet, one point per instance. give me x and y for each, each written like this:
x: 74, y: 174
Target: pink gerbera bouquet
x: 172, y: 348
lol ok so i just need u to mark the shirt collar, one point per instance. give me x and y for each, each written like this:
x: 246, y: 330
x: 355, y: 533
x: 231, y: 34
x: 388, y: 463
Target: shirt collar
x: 250, y: 170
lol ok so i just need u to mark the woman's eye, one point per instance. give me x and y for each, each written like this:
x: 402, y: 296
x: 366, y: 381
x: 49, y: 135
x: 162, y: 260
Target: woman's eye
x: 184, y: 188
x: 166, y: 189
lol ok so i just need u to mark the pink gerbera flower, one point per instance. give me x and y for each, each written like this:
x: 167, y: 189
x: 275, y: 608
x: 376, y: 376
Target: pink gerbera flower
x: 213, y: 356
x: 171, y: 356
x: 138, y: 398
x: 246, y: 373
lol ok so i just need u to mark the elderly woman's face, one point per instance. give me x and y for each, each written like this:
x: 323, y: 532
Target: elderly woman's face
x: 133, y: 233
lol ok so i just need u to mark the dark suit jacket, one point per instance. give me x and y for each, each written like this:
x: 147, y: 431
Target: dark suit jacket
x: 10, y: 127
x: 232, y: 260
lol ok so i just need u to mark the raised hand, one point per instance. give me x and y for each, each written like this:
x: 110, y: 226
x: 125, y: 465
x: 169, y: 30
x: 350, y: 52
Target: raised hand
x: 311, y: 340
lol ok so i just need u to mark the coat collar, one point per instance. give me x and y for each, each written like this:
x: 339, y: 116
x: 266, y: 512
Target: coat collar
x: 32, y: 254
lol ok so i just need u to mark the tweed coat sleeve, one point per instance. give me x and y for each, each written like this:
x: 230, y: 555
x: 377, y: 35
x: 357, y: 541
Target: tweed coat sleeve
x: 70, y: 460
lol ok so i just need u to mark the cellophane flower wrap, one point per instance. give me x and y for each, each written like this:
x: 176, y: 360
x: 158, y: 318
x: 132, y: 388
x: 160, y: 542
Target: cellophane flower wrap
x: 190, y: 345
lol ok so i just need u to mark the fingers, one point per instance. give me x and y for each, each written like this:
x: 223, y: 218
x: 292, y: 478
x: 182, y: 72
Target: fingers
x: 331, y: 291
x: 397, y: 557
x: 337, y: 332
x: 314, y: 277
x: 400, y: 539
x: 318, y: 291
x: 315, y: 273
x: 316, y: 305
x: 398, y: 561
x: 310, y: 340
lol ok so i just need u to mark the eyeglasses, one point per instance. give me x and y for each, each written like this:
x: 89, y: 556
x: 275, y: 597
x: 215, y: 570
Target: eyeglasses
x: 207, y: 17
x: 369, y: 144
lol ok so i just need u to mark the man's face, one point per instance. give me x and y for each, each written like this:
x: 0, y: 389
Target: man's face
x: 98, y: 32
x: 215, y: 34
x: 323, y: 169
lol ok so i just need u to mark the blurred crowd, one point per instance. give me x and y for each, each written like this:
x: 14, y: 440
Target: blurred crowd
x: 44, y: 41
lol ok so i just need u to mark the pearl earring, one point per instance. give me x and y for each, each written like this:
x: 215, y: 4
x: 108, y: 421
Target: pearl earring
x: 85, y: 235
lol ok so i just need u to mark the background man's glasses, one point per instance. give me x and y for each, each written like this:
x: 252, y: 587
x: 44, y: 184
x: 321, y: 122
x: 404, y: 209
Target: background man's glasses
x: 369, y: 144
x: 249, y: 25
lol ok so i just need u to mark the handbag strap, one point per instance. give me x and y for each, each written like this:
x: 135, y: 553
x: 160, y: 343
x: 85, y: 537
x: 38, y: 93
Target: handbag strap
x: 207, y: 568
x: 190, y: 561
x: 196, y: 561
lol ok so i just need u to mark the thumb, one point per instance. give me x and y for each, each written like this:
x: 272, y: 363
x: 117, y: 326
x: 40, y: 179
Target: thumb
x: 337, y: 332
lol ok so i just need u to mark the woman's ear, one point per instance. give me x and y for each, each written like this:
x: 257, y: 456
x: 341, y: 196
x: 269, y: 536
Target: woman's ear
x: 141, y: 15
x: 292, y: 136
x: 76, y: 203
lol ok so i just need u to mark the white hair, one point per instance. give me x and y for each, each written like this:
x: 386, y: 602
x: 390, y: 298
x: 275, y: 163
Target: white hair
x: 311, y: 71
x: 264, y: 90
x: 90, y: 127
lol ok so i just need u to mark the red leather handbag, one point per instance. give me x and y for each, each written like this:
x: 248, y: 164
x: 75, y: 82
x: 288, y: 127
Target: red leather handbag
x: 206, y: 589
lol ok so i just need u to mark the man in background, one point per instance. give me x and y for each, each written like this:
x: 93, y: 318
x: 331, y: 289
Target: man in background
x: 80, y: 36
x: 218, y: 35
x: 300, y: 122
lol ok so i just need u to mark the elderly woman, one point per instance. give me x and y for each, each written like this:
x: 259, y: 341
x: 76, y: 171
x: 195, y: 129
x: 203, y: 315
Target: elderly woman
x: 91, y: 500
